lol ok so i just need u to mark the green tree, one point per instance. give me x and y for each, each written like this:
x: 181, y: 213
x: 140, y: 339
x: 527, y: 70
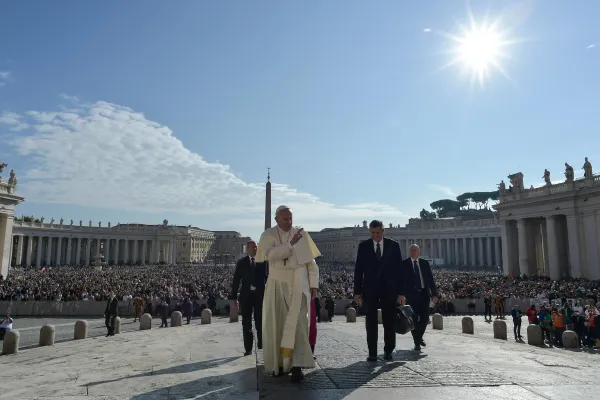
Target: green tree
x: 445, y: 206
x: 427, y: 215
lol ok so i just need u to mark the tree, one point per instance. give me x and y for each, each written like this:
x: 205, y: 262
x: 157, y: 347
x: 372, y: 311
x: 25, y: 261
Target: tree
x: 427, y: 215
x: 446, y: 206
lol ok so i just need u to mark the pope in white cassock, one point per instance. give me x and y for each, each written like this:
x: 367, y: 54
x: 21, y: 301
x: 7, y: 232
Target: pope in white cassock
x: 293, y: 276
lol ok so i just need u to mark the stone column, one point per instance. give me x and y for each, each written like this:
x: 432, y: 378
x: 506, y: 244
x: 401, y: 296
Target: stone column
x: 473, y: 253
x: 553, y: 259
x: 6, y: 225
x: 40, y: 246
x: 29, y: 251
x: 69, y: 259
x: 125, y: 251
x: 107, y: 251
x: 173, y: 251
x: 59, y: 251
x: 574, y: 261
x: 78, y: 252
x: 447, y: 261
x: 465, y: 258
x: 456, y: 252
x: 144, y: 251
x: 592, y: 270
x: 481, y: 256
x: 97, y: 248
x: 136, y: 252
x: 523, y: 257
x: 117, y: 242
x: 19, y: 257
x: 88, y: 248
x: 497, y: 254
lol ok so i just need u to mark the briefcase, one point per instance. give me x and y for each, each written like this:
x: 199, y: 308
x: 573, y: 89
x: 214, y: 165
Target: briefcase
x: 404, y: 322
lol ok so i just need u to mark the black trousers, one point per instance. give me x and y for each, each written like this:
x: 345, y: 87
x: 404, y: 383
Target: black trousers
x: 488, y: 311
x: 388, y: 310
x: 419, y: 302
x: 517, y: 327
x: 252, y: 305
x: 109, y: 322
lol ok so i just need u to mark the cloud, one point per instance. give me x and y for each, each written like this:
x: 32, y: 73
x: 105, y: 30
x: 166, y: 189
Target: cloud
x: 72, y: 99
x: 443, y: 189
x: 591, y: 46
x: 426, y: 30
x: 107, y: 155
x: 4, y: 77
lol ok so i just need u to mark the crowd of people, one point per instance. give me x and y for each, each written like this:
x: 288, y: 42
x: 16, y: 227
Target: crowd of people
x: 204, y: 281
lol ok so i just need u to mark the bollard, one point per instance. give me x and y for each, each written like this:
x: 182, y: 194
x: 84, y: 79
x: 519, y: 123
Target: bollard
x: 570, y: 340
x: 351, y: 314
x: 81, y: 330
x: 145, y: 322
x: 117, y: 325
x: 176, y: 318
x: 47, y: 335
x: 206, y: 316
x: 379, y: 316
x: 500, y: 330
x: 467, y: 325
x: 324, y: 315
x: 11, y: 342
x: 234, y: 314
x: 535, y: 336
x: 437, y: 322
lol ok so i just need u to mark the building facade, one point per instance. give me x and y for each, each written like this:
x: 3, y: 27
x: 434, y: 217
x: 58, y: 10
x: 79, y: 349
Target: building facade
x: 551, y: 230
x: 456, y: 242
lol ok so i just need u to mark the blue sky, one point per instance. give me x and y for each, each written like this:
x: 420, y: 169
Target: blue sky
x: 119, y: 112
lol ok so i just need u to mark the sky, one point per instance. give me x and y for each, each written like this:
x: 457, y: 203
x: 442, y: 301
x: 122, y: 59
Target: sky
x: 122, y: 112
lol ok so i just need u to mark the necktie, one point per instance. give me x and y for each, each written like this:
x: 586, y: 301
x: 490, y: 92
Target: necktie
x: 378, y: 252
x: 417, y: 275
x: 252, y: 262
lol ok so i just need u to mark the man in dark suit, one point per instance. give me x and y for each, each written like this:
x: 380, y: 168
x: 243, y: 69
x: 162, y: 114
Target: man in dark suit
x: 419, y: 287
x: 253, y: 276
x: 377, y: 282
x: 110, y: 314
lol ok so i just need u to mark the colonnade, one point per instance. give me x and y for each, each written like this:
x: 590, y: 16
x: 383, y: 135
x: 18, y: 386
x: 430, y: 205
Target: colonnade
x: 471, y: 251
x: 40, y: 250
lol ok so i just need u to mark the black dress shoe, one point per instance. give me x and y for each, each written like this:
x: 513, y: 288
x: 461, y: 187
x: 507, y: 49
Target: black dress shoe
x: 280, y: 373
x: 417, y: 347
x: 372, y: 358
x: 423, y: 343
x: 296, y: 374
x: 247, y: 353
x: 388, y: 356
x: 259, y: 345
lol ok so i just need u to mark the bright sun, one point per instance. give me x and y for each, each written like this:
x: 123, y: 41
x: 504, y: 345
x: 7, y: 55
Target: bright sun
x: 480, y: 49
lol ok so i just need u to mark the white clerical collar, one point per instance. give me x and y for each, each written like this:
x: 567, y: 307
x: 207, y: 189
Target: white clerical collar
x: 415, y: 260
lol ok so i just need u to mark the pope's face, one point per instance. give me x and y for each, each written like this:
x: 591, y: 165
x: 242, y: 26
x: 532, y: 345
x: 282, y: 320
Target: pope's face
x: 284, y: 220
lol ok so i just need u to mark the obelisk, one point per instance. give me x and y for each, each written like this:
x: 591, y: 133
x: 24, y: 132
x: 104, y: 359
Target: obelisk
x: 268, y: 200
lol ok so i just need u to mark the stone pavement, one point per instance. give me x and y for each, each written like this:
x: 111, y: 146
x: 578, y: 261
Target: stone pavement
x: 205, y: 362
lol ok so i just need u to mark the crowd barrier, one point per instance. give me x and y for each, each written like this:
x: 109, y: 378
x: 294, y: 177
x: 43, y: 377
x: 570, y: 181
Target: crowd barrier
x: 89, y: 308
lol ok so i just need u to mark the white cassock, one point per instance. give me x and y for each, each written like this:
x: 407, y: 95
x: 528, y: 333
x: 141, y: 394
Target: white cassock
x: 292, y: 272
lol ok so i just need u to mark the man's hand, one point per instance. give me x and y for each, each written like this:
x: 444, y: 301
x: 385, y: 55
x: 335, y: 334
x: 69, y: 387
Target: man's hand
x: 402, y: 300
x: 358, y: 299
x: 435, y: 299
x: 314, y: 292
x: 297, y: 236
x: 234, y: 304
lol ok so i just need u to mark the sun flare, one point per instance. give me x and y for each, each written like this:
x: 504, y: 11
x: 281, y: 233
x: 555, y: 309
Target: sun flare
x: 480, y: 49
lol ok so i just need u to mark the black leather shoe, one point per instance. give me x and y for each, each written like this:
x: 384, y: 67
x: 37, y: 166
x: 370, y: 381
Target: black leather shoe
x: 247, y: 353
x: 388, y: 356
x: 417, y: 347
x: 372, y: 358
x: 296, y: 374
x: 259, y: 345
x: 423, y: 343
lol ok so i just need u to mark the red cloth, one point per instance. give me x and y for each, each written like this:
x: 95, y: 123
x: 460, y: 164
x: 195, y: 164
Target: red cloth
x: 312, y: 334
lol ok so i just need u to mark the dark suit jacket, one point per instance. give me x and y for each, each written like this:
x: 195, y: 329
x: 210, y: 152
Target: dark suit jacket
x: 410, y: 281
x: 112, y: 308
x: 366, y: 280
x: 248, y: 277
